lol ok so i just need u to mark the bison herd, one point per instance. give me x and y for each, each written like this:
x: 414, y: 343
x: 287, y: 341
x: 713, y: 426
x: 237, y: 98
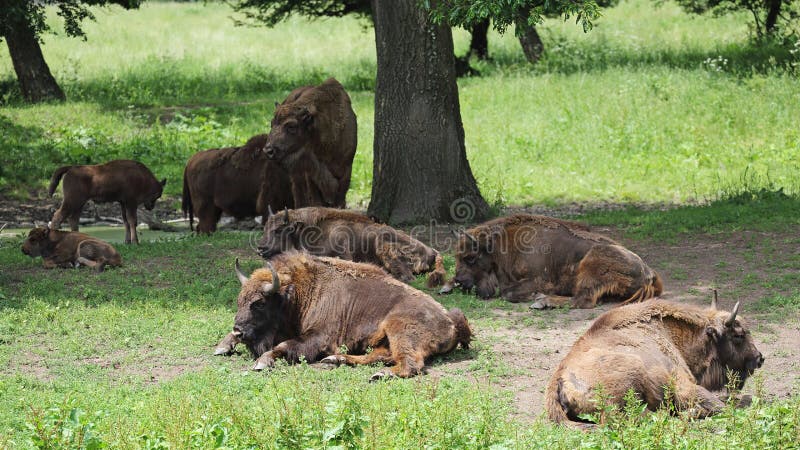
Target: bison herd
x: 334, y: 288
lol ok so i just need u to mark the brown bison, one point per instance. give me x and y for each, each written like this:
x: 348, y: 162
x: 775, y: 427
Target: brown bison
x: 665, y: 352
x: 551, y: 261
x: 239, y: 181
x: 351, y: 236
x: 70, y: 249
x: 314, y: 137
x: 130, y: 183
x: 307, y: 307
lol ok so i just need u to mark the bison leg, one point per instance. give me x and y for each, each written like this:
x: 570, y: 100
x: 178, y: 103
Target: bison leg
x: 207, y: 215
x: 698, y: 401
x: 227, y: 345
x: 380, y: 354
x: 293, y: 350
x: 58, y: 217
x: 74, y: 220
x: 125, y: 222
x: 130, y: 219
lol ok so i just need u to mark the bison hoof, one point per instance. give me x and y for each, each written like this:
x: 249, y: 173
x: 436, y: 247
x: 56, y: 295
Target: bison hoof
x: 334, y: 360
x: 263, y: 363
x: 540, y: 302
x: 222, y: 351
x: 446, y: 289
x: 381, y: 375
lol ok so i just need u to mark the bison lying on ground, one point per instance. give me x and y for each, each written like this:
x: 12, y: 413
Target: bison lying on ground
x: 128, y: 182
x: 351, y: 236
x: 239, y: 181
x: 652, y: 348
x: 551, y: 261
x: 314, y: 137
x: 308, y: 307
x: 70, y: 249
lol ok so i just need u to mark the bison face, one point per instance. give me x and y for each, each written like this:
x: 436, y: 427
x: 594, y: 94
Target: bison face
x: 735, y: 348
x: 150, y: 203
x: 475, y: 267
x: 259, y: 311
x: 281, y: 234
x: 291, y: 129
x: 36, y: 243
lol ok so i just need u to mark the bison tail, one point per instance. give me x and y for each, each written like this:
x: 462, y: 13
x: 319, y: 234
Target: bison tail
x: 186, y: 201
x: 463, y: 330
x: 57, y: 179
x: 555, y: 410
x: 436, y: 278
x: 653, y: 288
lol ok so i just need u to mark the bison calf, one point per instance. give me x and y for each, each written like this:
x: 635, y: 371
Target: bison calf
x: 130, y: 183
x: 654, y: 348
x: 306, y: 307
x: 351, y: 236
x: 70, y: 249
x: 551, y: 261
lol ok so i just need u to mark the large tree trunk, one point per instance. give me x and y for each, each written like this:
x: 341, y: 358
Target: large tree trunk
x: 35, y: 80
x: 531, y: 43
x: 774, y: 9
x: 479, y: 44
x: 420, y: 169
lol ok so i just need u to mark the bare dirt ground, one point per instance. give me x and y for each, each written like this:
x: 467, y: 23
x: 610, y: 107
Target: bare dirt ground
x: 740, y: 266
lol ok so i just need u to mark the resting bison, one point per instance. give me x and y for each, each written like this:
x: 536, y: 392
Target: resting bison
x: 313, y: 137
x: 351, y: 236
x: 239, y: 181
x: 551, y: 261
x: 128, y: 182
x: 309, y: 307
x: 69, y: 249
x: 648, y: 347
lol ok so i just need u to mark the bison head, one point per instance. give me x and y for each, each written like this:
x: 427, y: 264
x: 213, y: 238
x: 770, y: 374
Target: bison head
x: 292, y: 127
x: 37, y: 243
x: 736, y: 352
x: 475, y: 265
x: 281, y: 234
x: 260, y: 310
x: 150, y: 202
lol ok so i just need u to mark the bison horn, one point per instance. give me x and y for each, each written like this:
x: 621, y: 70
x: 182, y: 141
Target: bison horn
x: 242, y: 277
x: 729, y: 322
x: 714, y: 300
x: 286, y: 215
x: 269, y: 211
x: 275, y: 286
x: 471, y: 237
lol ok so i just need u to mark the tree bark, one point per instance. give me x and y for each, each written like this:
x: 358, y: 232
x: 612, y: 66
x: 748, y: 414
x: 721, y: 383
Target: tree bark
x: 531, y: 43
x: 773, y: 10
x: 35, y: 80
x: 420, y: 168
x: 479, y: 44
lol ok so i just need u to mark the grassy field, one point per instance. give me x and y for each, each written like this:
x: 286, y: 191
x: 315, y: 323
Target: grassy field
x: 653, y: 106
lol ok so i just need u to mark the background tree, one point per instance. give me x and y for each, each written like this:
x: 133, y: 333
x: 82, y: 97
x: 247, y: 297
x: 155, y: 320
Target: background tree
x: 22, y: 23
x: 767, y: 14
x: 420, y: 168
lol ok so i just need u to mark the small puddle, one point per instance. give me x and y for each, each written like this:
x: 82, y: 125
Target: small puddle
x: 113, y: 234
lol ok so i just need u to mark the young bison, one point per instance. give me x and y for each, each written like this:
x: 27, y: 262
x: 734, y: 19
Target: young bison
x: 551, y: 261
x: 655, y: 349
x: 130, y: 183
x: 306, y: 307
x: 70, y: 249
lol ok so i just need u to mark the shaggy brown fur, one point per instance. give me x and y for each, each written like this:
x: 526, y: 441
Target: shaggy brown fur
x: 314, y: 138
x: 551, y: 261
x: 648, y: 347
x: 70, y: 249
x: 354, y: 237
x: 239, y: 181
x: 324, y: 304
x: 130, y: 183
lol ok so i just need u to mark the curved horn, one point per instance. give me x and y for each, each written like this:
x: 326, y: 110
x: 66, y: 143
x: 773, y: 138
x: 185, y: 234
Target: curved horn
x: 286, y: 215
x: 729, y: 322
x: 269, y: 211
x: 471, y: 237
x: 239, y: 274
x: 714, y: 300
x: 275, y: 286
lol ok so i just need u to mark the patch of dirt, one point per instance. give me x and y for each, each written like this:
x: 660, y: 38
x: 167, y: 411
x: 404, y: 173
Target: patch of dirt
x: 30, y: 364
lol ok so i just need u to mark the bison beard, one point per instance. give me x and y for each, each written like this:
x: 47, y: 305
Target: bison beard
x: 314, y: 306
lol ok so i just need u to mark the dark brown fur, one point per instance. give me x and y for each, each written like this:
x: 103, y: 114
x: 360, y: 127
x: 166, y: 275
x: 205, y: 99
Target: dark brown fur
x: 326, y: 304
x: 314, y: 137
x: 239, y: 181
x: 354, y: 237
x: 69, y: 249
x: 551, y: 261
x: 646, y: 347
x: 130, y: 183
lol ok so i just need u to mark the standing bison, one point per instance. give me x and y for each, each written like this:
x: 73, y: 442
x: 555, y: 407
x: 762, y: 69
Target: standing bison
x: 351, y: 236
x: 70, y: 249
x: 314, y: 138
x: 239, y: 181
x: 654, y: 348
x: 305, y: 307
x: 551, y: 261
x: 130, y: 183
